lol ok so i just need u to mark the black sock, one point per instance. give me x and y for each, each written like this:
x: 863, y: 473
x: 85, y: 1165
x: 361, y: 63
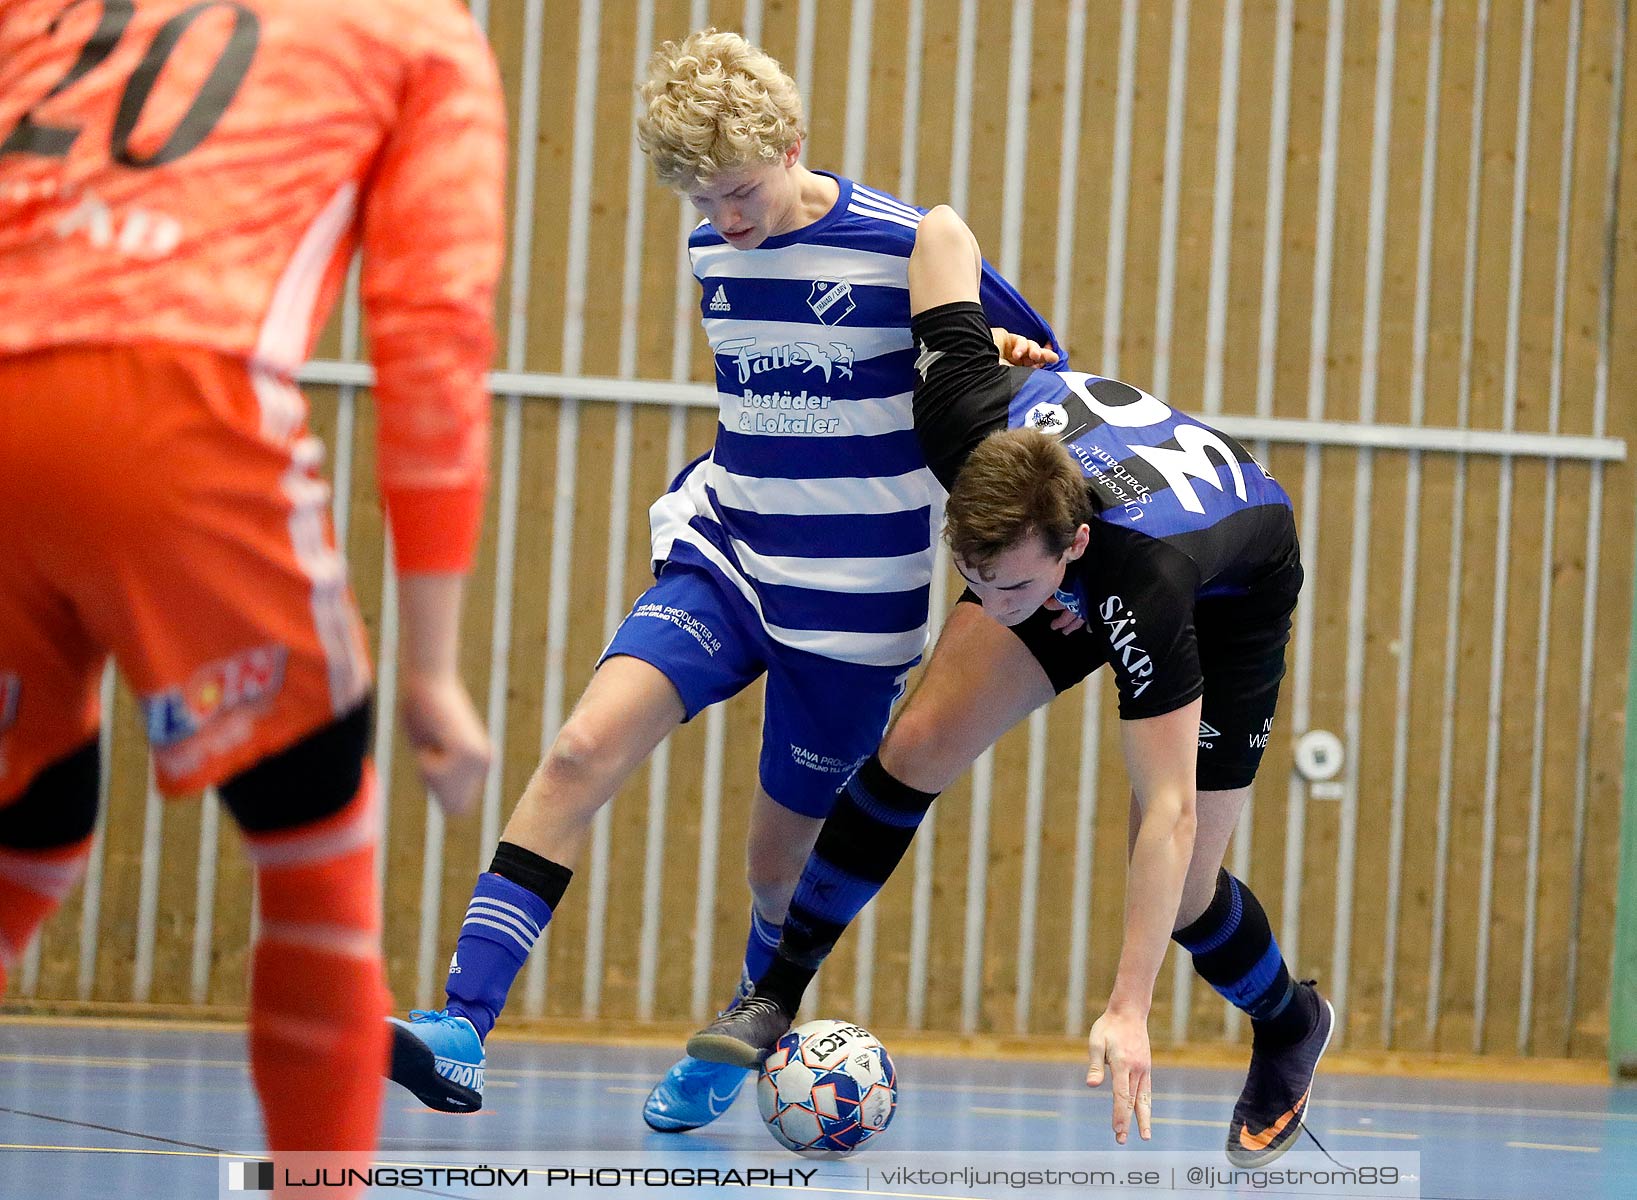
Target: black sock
x: 862, y: 841
x: 1291, y: 1024
x: 539, y: 874
x: 785, y: 983
x: 1234, y: 951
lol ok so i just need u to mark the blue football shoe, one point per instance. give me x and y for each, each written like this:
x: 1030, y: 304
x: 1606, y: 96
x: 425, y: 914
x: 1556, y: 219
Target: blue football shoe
x: 692, y: 1093
x: 439, y: 1057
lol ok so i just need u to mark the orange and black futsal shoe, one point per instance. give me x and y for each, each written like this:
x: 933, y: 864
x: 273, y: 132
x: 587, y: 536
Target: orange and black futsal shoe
x: 1273, y: 1105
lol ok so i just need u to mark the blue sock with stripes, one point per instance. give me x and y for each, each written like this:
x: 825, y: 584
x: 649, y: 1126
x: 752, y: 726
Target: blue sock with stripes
x: 865, y: 836
x: 503, y: 921
x: 1235, y: 952
x: 762, y: 941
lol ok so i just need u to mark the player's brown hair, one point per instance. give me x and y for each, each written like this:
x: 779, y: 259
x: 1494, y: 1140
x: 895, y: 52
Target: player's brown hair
x: 713, y: 103
x: 1017, y: 483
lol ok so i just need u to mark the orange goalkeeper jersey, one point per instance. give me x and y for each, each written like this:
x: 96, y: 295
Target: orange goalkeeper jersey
x: 194, y: 173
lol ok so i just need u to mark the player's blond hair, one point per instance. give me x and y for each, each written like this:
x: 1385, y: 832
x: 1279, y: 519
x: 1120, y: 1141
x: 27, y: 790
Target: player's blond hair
x: 1017, y: 484
x: 715, y: 103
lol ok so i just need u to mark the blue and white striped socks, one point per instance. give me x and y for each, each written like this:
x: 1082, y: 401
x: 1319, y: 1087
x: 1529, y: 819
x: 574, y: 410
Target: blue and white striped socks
x: 503, y: 921
x: 760, y: 945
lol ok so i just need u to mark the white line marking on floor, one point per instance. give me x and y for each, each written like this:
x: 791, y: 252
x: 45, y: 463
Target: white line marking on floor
x: 69, y: 1060
x: 1015, y: 1112
x: 1375, y: 1133
x: 1551, y: 1146
x: 1186, y: 1121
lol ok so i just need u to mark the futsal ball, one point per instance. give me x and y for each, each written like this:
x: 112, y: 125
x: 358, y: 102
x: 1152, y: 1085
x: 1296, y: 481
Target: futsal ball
x: 827, y: 1088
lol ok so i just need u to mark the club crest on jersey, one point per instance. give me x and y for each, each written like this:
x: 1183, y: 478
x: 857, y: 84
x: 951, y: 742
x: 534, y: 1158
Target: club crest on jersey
x: 11, y: 697
x: 1048, y: 418
x: 247, y: 678
x: 1071, y: 600
x: 831, y: 300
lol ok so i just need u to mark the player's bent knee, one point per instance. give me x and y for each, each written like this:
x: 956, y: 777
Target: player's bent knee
x: 924, y: 752
x: 581, y: 752
x: 59, y: 806
x: 313, y: 779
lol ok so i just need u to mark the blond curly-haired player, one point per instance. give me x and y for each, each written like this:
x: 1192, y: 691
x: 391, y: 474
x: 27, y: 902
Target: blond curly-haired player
x: 800, y: 547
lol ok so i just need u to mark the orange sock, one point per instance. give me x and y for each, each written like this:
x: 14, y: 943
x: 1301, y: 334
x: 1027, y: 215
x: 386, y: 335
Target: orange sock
x: 319, y: 1000
x: 32, y: 884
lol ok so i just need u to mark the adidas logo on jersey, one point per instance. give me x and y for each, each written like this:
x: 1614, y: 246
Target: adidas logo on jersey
x: 719, y: 302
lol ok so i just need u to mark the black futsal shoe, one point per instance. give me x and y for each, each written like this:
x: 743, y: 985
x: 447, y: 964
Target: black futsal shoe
x: 744, y: 1035
x: 1268, y: 1118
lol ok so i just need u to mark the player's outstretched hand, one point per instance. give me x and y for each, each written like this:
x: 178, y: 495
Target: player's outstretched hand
x: 1119, y: 1041
x: 1065, y: 621
x: 1021, y: 351
x: 451, y: 745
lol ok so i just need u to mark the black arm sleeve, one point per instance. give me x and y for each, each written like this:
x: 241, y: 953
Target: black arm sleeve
x: 963, y: 390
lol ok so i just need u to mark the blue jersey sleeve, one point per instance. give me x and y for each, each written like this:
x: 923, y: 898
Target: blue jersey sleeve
x: 1006, y: 307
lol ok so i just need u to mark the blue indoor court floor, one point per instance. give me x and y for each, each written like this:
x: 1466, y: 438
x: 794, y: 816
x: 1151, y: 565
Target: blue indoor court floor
x: 91, y: 1110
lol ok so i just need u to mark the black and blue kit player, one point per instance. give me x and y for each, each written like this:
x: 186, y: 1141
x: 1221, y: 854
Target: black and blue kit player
x: 1094, y: 524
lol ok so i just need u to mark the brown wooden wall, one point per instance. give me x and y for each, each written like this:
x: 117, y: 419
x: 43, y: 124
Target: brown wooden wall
x: 1560, y: 1023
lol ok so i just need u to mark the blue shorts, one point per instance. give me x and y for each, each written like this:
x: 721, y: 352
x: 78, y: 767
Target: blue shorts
x: 822, y: 717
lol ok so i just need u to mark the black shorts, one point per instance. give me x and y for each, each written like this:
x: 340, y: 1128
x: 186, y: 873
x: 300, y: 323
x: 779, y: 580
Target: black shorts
x: 1241, y: 655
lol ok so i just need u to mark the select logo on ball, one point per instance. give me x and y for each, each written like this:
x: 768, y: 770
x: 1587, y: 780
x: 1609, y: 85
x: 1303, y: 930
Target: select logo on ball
x: 828, y: 1087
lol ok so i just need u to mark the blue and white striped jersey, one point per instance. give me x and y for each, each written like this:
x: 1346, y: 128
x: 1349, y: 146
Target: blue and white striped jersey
x: 815, y: 502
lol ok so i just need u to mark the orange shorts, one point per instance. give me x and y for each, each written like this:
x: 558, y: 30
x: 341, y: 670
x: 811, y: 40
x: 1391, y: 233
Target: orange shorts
x: 163, y: 504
